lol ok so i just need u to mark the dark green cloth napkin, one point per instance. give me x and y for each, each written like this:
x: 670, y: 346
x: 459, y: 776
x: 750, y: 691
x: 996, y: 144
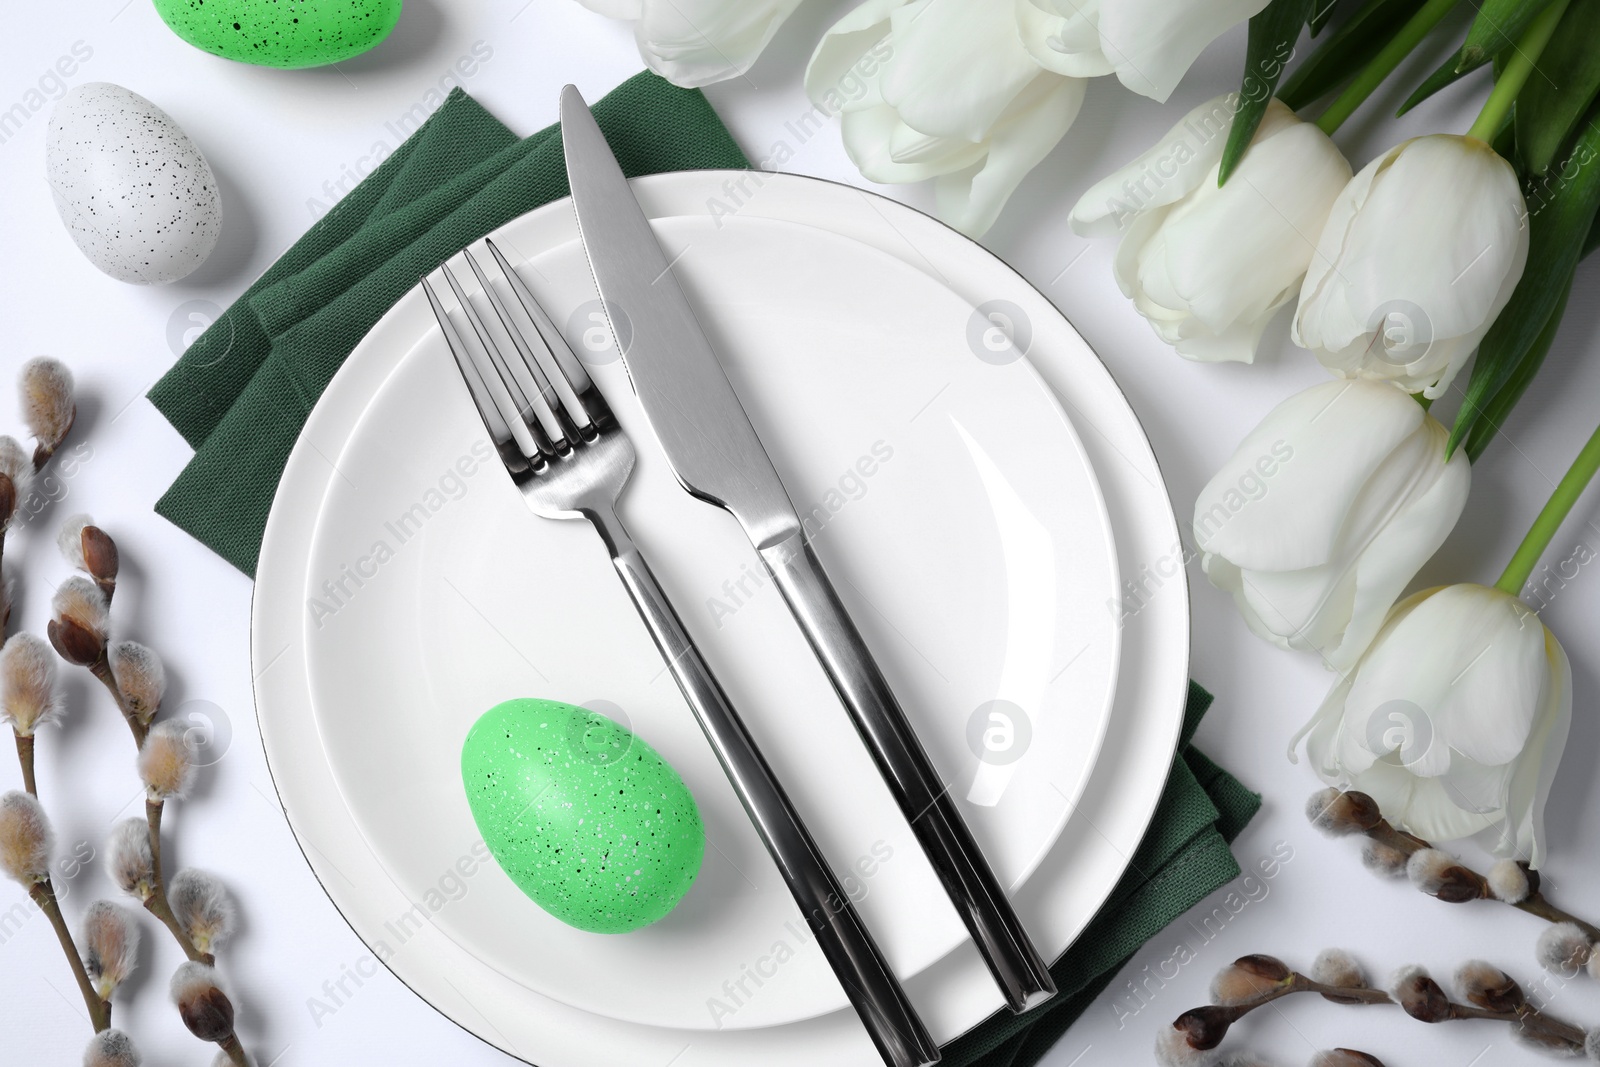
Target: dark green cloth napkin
x: 241, y: 394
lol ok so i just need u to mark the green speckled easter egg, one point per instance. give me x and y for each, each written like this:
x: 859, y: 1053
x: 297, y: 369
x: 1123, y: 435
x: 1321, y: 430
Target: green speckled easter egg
x: 583, y: 815
x: 281, y: 33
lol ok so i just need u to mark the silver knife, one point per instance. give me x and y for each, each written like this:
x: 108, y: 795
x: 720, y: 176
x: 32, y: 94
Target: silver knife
x: 716, y: 455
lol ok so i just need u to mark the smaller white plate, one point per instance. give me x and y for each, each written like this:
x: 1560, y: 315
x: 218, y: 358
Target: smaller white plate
x: 945, y: 492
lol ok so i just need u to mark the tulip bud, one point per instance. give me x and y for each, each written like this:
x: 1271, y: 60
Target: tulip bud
x: 203, y: 1006
x: 1384, y: 859
x: 951, y: 95
x: 1207, y: 264
x: 28, y: 684
x: 1421, y: 997
x: 1175, y: 1049
x: 202, y: 907
x: 26, y: 840
x: 140, y: 678
x: 111, y: 1048
x: 166, y: 761
x: 1508, y: 881
x: 1564, y: 948
x: 1149, y: 47
x: 1325, y: 512
x: 1488, y: 987
x: 47, y: 406
x: 1338, y: 814
x: 1336, y: 967
x: 1344, y: 1057
x: 129, y: 862
x: 16, y: 476
x: 1420, y: 253
x: 110, y: 946
x: 1456, y: 715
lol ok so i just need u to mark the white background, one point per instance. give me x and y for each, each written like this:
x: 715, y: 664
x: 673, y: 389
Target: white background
x: 279, y: 141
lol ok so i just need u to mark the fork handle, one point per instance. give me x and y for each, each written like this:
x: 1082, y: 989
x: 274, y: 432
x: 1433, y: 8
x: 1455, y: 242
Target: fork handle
x: 900, y: 1036
x: 1013, y: 960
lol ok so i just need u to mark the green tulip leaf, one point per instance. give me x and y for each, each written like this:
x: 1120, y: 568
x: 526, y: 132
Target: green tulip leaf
x: 1273, y: 32
x: 1493, y: 415
x: 1499, y: 22
x: 1594, y: 239
x: 1563, y: 85
x: 1560, y: 216
x: 1348, y: 49
x: 1321, y: 12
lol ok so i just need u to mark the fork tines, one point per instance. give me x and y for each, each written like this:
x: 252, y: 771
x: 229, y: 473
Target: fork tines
x: 534, y: 395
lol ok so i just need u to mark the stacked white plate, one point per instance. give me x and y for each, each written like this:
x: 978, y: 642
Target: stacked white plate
x: 971, y: 476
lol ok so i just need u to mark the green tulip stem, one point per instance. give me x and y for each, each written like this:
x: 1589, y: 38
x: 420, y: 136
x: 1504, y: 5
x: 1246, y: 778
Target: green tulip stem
x: 1549, y: 521
x: 1384, y: 63
x: 1518, y: 67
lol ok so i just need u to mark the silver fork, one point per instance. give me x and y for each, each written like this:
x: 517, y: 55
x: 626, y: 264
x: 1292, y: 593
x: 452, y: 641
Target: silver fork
x: 566, y: 452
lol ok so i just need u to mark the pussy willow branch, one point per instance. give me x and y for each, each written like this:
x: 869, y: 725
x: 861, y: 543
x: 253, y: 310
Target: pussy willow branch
x: 1466, y: 884
x: 1525, y: 1016
x: 157, y: 905
x: 44, y: 895
x: 101, y: 669
x: 25, y: 758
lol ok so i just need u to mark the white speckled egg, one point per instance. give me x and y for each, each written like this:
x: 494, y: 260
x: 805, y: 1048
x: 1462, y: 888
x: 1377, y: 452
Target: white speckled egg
x: 135, y: 193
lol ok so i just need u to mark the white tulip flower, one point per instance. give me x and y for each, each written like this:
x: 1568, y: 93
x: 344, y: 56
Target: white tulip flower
x: 1420, y: 254
x: 1210, y: 266
x: 1326, y: 512
x: 1453, y: 721
x: 950, y: 94
x: 696, y: 42
x: 1148, y: 44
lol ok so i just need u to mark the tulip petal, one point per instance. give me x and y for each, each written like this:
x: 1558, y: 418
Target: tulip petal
x: 1068, y: 42
x: 1170, y: 170
x: 957, y: 67
x: 1394, y: 555
x: 697, y: 42
x: 1153, y: 43
x: 1523, y: 835
x: 615, y: 9
x: 869, y: 136
x: 1038, y: 119
x: 846, y: 44
x: 1422, y: 806
x: 1469, y: 663
x: 1321, y: 447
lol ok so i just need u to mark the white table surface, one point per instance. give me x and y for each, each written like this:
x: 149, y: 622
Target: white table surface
x: 281, y: 144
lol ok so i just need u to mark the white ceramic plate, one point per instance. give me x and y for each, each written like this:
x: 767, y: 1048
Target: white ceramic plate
x: 355, y: 746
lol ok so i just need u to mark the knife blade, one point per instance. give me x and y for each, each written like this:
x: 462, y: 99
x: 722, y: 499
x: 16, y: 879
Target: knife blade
x: 690, y: 403
x: 717, y: 456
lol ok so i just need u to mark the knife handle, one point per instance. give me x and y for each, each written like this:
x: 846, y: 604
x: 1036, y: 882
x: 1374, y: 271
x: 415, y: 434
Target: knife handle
x: 891, y: 1021
x: 1013, y: 960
